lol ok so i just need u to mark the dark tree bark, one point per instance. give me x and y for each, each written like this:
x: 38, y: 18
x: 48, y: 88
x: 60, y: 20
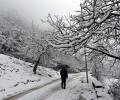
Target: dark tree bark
x: 110, y: 55
x: 36, y: 64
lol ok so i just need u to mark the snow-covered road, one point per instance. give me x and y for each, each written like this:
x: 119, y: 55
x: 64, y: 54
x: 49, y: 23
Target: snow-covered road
x: 45, y: 92
x: 77, y: 89
x: 19, y: 95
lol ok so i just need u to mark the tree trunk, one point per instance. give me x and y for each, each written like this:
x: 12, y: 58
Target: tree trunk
x: 36, y: 64
x: 86, y: 65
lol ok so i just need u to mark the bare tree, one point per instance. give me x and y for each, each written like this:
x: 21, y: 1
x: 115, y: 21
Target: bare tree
x: 96, y: 26
x: 44, y: 51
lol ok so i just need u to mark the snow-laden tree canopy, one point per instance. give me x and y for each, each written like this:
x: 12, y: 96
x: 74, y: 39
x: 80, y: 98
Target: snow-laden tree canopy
x: 95, y: 26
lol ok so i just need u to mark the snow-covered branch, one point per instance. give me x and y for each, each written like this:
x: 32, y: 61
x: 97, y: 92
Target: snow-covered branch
x: 96, y: 23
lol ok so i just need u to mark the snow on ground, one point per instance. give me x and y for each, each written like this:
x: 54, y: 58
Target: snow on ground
x: 77, y: 89
x: 109, y: 82
x: 17, y: 76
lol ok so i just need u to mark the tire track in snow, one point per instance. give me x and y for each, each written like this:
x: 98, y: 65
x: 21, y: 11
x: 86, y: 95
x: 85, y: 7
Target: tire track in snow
x: 58, y: 89
x: 19, y: 95
x: 55, y: 89
x: 29, y: 91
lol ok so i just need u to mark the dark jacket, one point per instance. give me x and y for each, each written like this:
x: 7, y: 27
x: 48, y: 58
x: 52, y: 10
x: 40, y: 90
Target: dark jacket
x: 64, y: 73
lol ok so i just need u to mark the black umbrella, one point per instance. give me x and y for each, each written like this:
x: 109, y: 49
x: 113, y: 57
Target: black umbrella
x: 66, y: 66
x: 62, y: 66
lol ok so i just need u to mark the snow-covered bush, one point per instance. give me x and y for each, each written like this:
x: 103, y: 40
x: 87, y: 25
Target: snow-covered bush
x: 12, y: 34
x: 97, y: 67
x: 115, y: 90
x: 96, y: 73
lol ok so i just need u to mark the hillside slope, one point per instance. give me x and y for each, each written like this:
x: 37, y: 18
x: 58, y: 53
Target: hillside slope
x: 17, y: 76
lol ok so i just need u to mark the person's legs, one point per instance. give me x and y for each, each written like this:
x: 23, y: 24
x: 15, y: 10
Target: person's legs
x: 64, y: 83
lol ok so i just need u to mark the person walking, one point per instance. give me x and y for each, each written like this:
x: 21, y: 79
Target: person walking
x: 64, y: 76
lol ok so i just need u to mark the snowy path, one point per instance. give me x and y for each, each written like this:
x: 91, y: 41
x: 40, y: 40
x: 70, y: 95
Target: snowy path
x: 40, y: 92
x: 77, y: 89
x: 29, y: 91
x: 17, y: 79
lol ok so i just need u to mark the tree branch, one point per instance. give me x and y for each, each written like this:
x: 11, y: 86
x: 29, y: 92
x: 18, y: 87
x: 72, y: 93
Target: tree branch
x: 110, y: 55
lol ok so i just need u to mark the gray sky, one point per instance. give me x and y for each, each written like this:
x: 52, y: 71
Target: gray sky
x: 38, y: 9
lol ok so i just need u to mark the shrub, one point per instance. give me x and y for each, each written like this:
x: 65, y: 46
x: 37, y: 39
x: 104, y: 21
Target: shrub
x: 115, y: 90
